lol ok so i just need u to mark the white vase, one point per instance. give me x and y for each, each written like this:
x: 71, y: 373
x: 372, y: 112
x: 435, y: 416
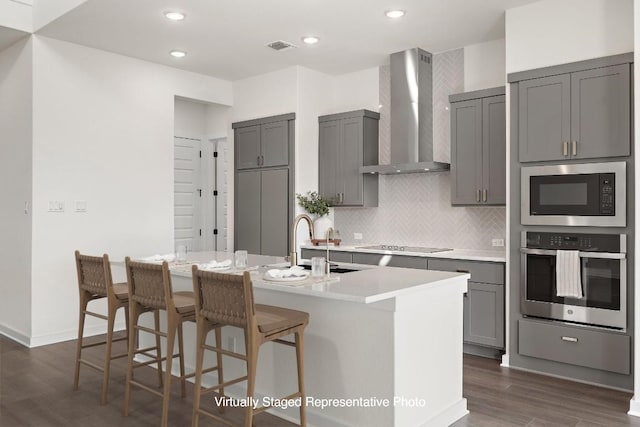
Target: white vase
x: 321, y: 225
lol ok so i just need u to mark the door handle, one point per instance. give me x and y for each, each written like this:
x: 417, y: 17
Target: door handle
x: 569, y: 339
x: 478, y: 196
x: 565, y: 148
x: 484, y: 195
x: 574, y: 148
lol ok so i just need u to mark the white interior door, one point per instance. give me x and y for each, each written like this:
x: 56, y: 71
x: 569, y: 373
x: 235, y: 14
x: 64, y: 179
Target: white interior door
x: 187, y: 193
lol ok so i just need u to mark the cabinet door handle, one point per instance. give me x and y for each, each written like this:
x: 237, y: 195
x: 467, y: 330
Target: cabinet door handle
x: 565, y: 148
x: 570, y: 339
x: 258, y: 160
x: 574, y: 148
x: 484, y: 195
x: 341, y: 197
x: 478, y: 196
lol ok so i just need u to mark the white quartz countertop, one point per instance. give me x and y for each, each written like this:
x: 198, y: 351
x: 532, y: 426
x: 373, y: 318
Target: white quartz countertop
x: 468, y: 254
x: 369, y: 284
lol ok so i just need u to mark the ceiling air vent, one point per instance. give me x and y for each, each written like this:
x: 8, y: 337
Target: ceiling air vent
x: 281, y: 45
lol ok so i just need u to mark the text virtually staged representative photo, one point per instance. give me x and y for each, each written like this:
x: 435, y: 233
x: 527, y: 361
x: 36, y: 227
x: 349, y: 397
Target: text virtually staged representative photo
x: 361, y: 213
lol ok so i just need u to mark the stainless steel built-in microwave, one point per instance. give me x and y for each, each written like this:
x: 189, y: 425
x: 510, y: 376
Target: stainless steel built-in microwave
x: 589, y: 194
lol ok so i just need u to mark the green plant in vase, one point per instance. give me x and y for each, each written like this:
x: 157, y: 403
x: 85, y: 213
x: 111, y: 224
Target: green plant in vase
x: 318, y: 207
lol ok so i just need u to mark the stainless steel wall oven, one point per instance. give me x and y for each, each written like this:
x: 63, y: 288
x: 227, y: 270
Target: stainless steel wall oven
x: 603, y: 271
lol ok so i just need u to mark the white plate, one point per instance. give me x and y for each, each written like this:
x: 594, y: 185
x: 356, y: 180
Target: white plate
x: 219, y: 268
x: 285, y: 279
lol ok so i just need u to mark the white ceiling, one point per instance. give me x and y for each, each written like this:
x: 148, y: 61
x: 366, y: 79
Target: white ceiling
x: 9, y: 36
x: 227, y: 38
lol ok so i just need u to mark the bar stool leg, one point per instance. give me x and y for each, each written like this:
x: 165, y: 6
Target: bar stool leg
x: 218, y: 333
x: 107, y: 358
x: 300, y: 362
x: 252, y: 362
x: 84, y: 300
x: 156, y: 319
x: 183, y: 380
x: 171, y: 337
x: 134, y: 315
x: 201, y: 335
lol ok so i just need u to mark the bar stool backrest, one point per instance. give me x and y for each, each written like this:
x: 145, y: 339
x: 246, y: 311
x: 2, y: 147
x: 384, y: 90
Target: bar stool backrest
x: 94, y: 274
x: 224, y: 298
x: 149, y: 284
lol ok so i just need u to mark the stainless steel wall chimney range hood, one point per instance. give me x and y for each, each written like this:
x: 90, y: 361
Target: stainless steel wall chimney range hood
x: 411, y: 116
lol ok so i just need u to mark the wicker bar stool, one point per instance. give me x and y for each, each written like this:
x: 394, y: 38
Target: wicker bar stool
x: 227, y: 300
x: 95, y: 282
x: 150, y: 290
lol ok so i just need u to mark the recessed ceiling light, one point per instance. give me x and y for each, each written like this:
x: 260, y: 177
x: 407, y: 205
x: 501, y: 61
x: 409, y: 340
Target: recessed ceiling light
x: 175, y: 16
x: 311, y: 39
x: 178, y: 54
x: 394, y: 14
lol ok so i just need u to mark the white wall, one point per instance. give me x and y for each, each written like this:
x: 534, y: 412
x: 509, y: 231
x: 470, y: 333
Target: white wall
x: 17, y: 15
x: 103, y: 132
x: 484, y: 65
x: 552, y: 32
x: 357, y: 90
x: 217, y: 121
x: 15, y: 175
x: 190, y: 119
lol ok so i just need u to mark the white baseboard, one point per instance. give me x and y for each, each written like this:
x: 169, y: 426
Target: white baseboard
x: 14, y: 335
x: 505, y: 360
x: 634, y: 407
x: 450, y: 415
x: 57, y: 337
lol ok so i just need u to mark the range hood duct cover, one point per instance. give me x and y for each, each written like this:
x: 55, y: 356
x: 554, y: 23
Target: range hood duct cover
x: 411, y: 115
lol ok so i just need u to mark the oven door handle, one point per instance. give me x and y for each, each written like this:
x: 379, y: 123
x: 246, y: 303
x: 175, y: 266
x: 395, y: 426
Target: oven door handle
x: 583, y: 254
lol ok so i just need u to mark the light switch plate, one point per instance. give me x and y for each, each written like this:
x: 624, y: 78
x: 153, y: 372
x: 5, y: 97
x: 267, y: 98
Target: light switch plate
x: 357, y: 236
x: 81, y: 205
x: 56, y: 206
x: 497, y: 242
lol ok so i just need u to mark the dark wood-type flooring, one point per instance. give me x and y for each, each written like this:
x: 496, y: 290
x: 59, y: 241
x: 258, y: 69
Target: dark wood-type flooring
x: 36, y: 390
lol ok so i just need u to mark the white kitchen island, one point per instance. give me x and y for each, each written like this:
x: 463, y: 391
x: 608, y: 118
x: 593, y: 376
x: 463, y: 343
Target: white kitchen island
x: 383, y: 346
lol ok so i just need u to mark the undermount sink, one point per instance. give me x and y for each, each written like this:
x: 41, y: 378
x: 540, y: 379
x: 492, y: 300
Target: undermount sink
x: 334, y: 269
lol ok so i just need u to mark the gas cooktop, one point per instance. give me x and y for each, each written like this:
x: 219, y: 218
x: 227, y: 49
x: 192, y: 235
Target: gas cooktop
x: 420, y: 249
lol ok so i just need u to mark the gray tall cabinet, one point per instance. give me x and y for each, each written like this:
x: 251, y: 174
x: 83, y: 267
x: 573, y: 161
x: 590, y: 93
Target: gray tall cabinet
x: 264, y: 184
x: 347, y: 142
x: 478, y: 147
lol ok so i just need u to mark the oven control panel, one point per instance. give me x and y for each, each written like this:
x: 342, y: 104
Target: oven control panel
x: 607, y: 196
x: 574, y: 241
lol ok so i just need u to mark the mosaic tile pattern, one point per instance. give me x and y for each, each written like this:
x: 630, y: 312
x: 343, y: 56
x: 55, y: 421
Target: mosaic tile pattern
x: 415, y: 209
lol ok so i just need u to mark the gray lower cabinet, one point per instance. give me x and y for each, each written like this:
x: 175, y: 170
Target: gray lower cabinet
x: 575, y: 345
x: 262, y: 211
x: 348, y: 141
x: 336, y: 256
x: 484, y: 304
x: 579, y: 115
x: 263, y: 143
x: 390, y: 260
x: 478, y: 148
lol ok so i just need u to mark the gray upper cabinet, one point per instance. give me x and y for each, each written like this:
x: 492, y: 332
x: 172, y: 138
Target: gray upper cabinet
x: 262, y: 142
x: 348, y: 141
x: 578, y: 115
x: 264, y: 182
x: 478, y: 147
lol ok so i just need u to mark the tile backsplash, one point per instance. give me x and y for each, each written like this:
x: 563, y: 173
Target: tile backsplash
x: 415, y: 209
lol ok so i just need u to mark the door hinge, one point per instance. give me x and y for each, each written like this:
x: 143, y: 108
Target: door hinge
x: 200, y: 153
x: 199, y: 190
x: 215, y: 193
x: 215, y: 154
x: 215, y: 231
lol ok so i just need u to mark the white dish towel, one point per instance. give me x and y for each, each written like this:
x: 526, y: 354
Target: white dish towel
x: 568, y: 282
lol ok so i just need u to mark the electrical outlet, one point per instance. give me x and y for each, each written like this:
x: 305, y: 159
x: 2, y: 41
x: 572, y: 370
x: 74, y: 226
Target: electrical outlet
x: 497, y: 242
x: 357, y: 236
x: 81, y: 205
x: 231, y: 344
x: 56, y: 206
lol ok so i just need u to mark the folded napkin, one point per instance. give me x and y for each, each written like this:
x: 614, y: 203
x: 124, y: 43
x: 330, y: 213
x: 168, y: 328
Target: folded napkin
x: 296, y: 271
x: 568, y: 283
x: 215, y: 265
x: 160, y: 258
